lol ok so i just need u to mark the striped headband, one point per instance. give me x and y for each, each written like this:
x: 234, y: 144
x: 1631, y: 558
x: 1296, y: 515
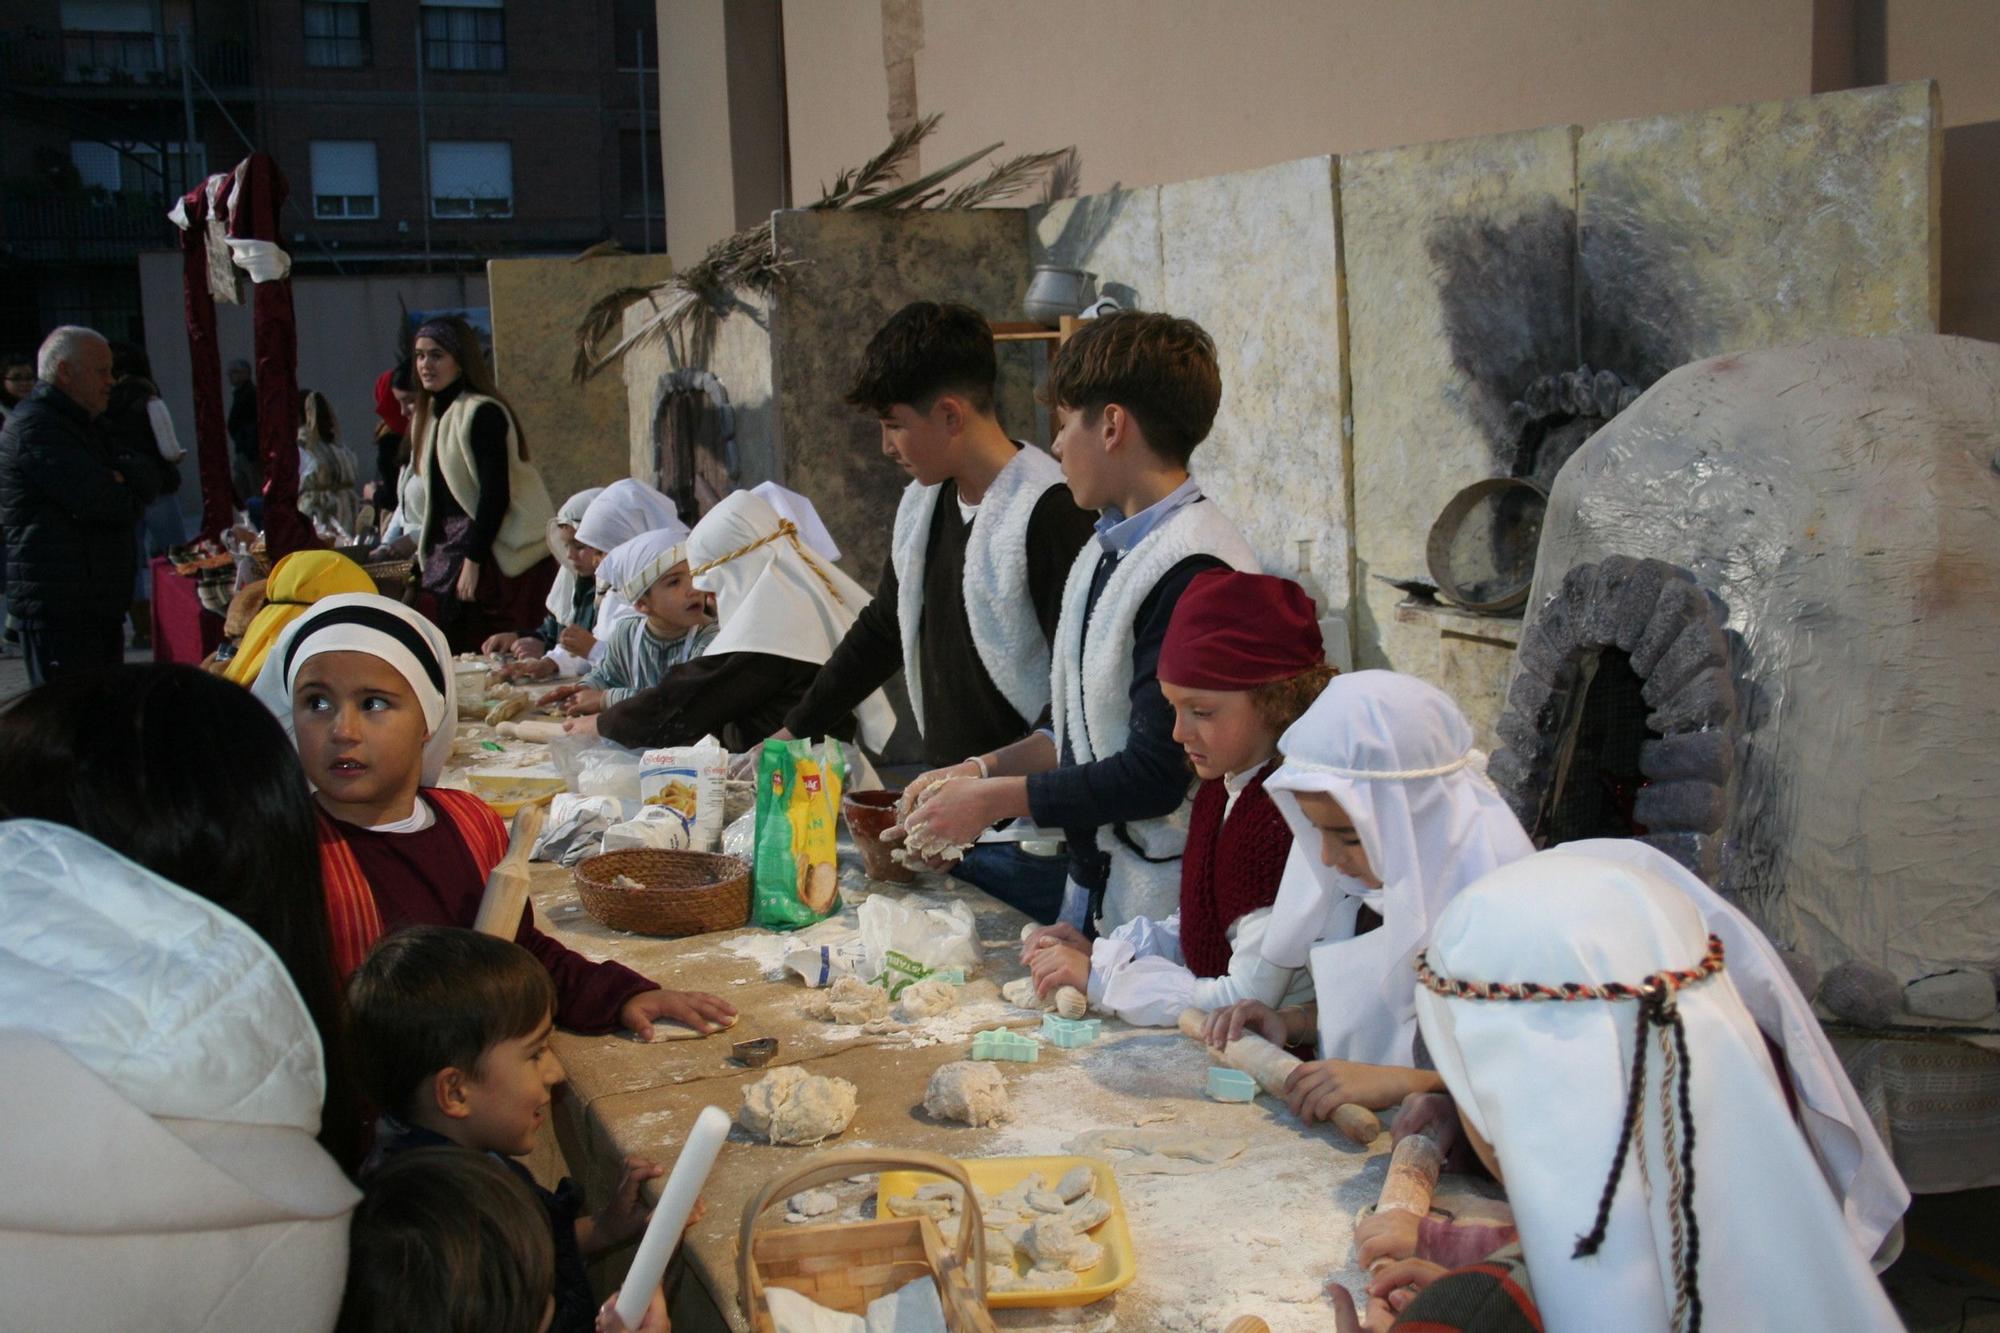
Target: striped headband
x: 405, y: 649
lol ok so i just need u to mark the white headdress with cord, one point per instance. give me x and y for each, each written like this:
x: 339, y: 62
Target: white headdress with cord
x: 792, y: 505
x: 641, y: 561
x: 562, y: 593
x: 380, y: 627
x: 1839, y: 1128
x: 625, y: 510
x: 1586, y: 1025
x: 773, y: 595
x: 1397, y: 755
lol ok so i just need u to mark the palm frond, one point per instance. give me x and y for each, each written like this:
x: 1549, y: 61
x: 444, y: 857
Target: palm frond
x: 903, y: 195
x: 604, y: 318
x: 1065, y: 178
x: 879, y: 171
x: 1006, y: 179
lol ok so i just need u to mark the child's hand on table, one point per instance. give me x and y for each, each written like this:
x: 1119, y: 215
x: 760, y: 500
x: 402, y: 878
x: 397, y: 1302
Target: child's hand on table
x: 1390, y: 1235
x: 578, y: 640
x: 534, y: 668
x: 497, y: 643
x: 625, y: 1216
x: 1041, y: 937
x: 1434, y: 1115
x: 581, y: 726
x: 1316, y: 1087
x: 1059, y: 965
x: 557, y: 695
x: 654, y: 1320
x: 1233, y: 1020
x: 693, y: 1009
x: 582, y: 702
x: 527, y: 646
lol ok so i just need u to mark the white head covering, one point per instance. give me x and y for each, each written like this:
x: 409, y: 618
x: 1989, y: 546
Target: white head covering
x: 792, y: 505
x: 772, y: 595
x: 622, y: 511
x: 1397, y: 754
x: 174, y: 1002
x: 643, y: 559
x: 1546, y: 1083
x: 1842, y: 1134
x: 562, y: 593
x: 380, y: 627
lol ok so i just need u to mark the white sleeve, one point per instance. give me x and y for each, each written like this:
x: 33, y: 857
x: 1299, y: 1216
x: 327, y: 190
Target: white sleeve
x: 1250, y: 975
x: 568, y: 663
x: 163, y: 430
x: 1147, y: 992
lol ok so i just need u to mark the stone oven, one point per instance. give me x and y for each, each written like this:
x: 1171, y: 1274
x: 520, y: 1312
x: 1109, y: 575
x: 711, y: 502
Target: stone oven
x: 1765, y: 636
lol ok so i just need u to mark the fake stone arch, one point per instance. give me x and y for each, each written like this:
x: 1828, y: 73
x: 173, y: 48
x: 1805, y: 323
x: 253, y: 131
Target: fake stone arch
x: 1623, y: 708
x: 694, y: 441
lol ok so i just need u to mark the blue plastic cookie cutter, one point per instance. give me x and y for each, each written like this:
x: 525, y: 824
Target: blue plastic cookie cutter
x: 1070, y: 1032
x: 1231, y: 1085
x: 1001, y: 1044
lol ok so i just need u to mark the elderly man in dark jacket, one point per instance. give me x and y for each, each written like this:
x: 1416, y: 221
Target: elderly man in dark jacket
x: 69, y: 499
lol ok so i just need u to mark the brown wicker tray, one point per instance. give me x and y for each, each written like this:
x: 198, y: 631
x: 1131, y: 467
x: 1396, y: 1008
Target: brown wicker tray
x: 681, y: 893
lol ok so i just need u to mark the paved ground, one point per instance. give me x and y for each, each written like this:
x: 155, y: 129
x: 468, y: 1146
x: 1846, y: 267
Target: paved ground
x: 14, y: 671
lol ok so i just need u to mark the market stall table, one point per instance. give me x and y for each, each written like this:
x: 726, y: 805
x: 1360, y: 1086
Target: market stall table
x: 183, y: 629
x: 1259, y: 1234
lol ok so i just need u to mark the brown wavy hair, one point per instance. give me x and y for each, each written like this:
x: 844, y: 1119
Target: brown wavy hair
x: 1279, y: 703
x: 474, y: 373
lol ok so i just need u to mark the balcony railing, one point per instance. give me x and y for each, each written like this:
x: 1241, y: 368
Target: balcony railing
x: 85, y: 228
x: 74, y: 58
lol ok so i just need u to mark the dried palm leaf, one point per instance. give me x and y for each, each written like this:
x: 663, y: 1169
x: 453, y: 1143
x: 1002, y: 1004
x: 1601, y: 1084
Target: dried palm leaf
x: 907, y: 195
x: 1006, y: 179
x: 1065, y: 177
x: 603, y: 320
x: 879, y: 172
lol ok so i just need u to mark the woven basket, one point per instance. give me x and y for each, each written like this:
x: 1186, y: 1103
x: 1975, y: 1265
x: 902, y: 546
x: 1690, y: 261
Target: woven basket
x: 845, y: 1265
x: 681, y: 893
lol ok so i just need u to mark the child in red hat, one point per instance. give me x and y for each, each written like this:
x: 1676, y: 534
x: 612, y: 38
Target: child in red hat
x: 1241, y: 661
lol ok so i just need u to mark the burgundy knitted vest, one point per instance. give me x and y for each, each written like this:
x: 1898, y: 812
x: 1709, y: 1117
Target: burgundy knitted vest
x: 1228, y: 868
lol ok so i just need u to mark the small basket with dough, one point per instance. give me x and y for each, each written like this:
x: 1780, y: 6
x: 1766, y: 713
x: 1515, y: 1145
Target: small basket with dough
x: 656, y: 892
x: 845, y: 1265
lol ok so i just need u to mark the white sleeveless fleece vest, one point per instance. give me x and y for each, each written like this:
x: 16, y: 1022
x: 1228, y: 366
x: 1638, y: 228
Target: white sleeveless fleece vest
x: 1094, y: 707
x: 1005, y: 631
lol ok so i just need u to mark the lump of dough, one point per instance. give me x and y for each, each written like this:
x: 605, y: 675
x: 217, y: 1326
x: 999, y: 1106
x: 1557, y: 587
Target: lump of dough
x: 790, y: 1106
x: 1020, y: 992
x: 1051, y: 1244
x: 1077, y: 1182
x: 813, y: 1203
x: 1045, y: 1201
x: 926, y: 999
x: 969, y: 1091
x: 904, y: 1205
x: 1071, y: 1002
x: 1087, y: 1212
x: 847, y: 1000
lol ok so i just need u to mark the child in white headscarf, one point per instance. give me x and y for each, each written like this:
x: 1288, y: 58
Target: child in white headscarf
x: 672, y: 628
x: 1591, y: 1030
x: 1379, y: 775
x: 780, y: 610
x: 572, y: 599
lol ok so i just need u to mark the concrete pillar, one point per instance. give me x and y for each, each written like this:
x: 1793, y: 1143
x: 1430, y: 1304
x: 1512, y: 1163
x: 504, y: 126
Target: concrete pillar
x: 722, y: 118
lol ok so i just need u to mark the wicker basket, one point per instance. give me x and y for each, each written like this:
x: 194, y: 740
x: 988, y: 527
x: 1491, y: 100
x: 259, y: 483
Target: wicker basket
x: 680, y: 893
x: 845, y: 1265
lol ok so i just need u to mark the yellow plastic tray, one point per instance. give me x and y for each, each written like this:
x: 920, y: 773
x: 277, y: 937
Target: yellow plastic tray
x: 997, y: 1175
x: 526, y: 791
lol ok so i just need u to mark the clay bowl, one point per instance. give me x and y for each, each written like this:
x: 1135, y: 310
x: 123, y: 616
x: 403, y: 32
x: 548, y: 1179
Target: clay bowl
x: 868, y: 814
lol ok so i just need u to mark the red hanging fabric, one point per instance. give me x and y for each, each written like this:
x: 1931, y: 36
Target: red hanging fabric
x: 259, y: 194
x: 211, y: 434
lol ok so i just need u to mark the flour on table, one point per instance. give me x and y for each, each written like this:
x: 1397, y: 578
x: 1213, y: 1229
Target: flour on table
x: 1161, y: 1152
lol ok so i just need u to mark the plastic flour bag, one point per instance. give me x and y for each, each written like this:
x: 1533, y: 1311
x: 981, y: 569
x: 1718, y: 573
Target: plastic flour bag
x: 795, y: 881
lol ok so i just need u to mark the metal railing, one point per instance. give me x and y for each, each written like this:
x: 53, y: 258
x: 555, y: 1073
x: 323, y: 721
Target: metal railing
x: 76, y: 58
x: 84, y: 228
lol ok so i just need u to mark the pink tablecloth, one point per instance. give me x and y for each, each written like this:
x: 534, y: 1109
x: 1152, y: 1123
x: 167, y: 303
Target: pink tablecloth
x: 183, y: 629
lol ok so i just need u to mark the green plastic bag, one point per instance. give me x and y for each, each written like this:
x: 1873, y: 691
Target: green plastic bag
x: 796, y: 879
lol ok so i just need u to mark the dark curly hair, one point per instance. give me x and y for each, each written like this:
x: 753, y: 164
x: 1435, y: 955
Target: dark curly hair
x: 927, y: 350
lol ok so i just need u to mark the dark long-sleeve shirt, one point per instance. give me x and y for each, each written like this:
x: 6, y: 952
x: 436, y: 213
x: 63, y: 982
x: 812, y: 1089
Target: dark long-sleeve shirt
x: 1149, y: 777
x: 488, y: 436
x: 739, y: 698
x: 964, y: 711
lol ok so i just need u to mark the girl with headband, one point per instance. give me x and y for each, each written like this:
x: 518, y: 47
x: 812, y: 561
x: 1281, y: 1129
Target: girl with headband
x: 780, y: 611
x: 364, y: 686
x: 1593, y: 1031
x: 1241, y: 661
x: 482, y: 547
x: 1379, y: 779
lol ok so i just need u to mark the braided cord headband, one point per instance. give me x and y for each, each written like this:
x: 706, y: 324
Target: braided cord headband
x: 1658, y: 1014
x: 789, y: 531
x: 1381, y: 775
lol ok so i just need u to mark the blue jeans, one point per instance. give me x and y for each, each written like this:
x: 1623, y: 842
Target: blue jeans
x: 161, y: 528
x: 1030, y: 884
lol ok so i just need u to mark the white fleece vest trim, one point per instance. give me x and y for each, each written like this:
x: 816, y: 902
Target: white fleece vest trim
x: 1095, y: 707
x: 522, y: 541
x: 1006, y: 633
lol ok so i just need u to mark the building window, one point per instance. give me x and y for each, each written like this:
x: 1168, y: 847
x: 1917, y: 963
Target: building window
x: 336, y: 34
x: 125, y: 167
x: 466, y: 35
x: 639, y: 190
x: 343, y: 179
x: 110, y: 41
x: 472, y: 180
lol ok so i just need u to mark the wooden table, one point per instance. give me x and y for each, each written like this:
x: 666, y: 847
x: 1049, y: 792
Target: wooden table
x: 1258, y: 1235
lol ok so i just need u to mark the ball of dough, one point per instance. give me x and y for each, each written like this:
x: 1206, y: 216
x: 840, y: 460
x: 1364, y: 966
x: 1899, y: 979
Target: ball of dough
x: 1052, y: 1244
x: 1020, y: 992
x: 813, y: 1203
x: 847, y: 1000
x: 927, y: 999
x: 969, y: 1091
x: 790, y: 1106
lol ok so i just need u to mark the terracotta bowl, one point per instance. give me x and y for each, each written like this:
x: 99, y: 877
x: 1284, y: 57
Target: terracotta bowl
x: 868, y: 814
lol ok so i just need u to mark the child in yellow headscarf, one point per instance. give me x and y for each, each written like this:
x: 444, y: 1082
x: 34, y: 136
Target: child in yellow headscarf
x: 296, y: 582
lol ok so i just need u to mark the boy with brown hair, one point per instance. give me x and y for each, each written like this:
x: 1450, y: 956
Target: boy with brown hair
x: 451, y: 1032
x: 1136, y: 393
x: 968, y: 603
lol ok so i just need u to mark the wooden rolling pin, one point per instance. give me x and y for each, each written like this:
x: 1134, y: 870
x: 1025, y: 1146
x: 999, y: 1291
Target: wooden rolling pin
x: 1248, y: 1323
x: 507, y: 887
x: 531, y: 730
x: 1412, y: 1179
x: 1271, y: 1066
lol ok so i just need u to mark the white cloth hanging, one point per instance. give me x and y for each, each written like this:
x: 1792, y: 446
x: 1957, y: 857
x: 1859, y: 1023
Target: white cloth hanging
x: 792, y: 505
x: 1397, y: 755
x: 773, y: 596
x: 1545, y: 1082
